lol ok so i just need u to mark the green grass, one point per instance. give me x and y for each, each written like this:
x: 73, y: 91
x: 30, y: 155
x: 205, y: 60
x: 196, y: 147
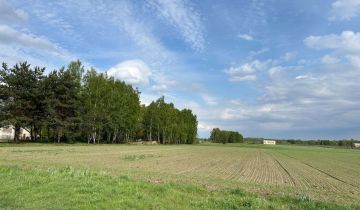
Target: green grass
x: 69, y: 188
x: 211, y: 176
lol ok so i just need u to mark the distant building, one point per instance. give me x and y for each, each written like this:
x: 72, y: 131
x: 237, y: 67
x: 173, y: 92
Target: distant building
x: 357, y: 145
x: 271, y: 142
x: 7, y: 134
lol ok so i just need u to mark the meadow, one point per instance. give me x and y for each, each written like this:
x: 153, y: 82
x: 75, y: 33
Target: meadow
x: 208, y: 176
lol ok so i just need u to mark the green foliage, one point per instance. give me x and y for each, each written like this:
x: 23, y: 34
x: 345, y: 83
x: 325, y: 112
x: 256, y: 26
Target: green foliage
x: 111, y: 108
x: 222, y: 136
x: 63, y: 103
x: 20, y: 91
x: 168, y: 125
x: 69, y: 105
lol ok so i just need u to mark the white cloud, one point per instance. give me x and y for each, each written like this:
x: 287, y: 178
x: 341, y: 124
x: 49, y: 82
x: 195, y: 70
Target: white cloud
x: 330, y: 59
x: 54, y: 19
x: 346, y: 42
x: 209, y: 99
x: 246, y: 37
x: 183, y: 16
x: 302, y: 76
x: 246, y: 68
x: 294, y: 105
x: 147, y: 98
x: 131, y: 71
x: 246, y: 71
x: 123, y: 16
x: 12, y: 55
x: 119, y: 18
x: 354, y: 60
x: 203, y: 126
x: 258, y: 52
x: 345, y: 9
x: 9, y: 15
x: 159, y: 88
x: 9, y: 35
x: 345, y: 47
x: 243, y: 78
x: 120, y: 22
x: 229, y: 114
x: 274, y: 70
x: 288, y: 56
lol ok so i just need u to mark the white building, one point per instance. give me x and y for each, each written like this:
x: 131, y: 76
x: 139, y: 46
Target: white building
x: 271, y: 142
x: 357, y: 145
x: 7, y: 134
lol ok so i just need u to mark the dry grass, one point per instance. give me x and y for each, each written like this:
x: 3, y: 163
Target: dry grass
x: 324, y: 174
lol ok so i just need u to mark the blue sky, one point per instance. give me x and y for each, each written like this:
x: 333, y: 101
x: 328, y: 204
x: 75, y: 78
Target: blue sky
x: 267, y: 68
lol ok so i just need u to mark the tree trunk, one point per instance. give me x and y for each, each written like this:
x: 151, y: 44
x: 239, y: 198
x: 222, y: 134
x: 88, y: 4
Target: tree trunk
x: 108, y: 137
x: 149, y: 135
x: 94, y: 135
x: 164, y: 139
x: 158, y: 135
x: 48, y: 132
x: 114, y: 136
x: 150, y: 138
x: 59, y: 136
x: 36, y: 132
x: 31, y: 134
x: 16, y: 133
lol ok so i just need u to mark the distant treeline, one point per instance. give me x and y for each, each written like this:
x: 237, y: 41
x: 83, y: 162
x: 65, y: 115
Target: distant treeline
x: 69, y: 105
x: 341, y: 143
x: 223, y: 136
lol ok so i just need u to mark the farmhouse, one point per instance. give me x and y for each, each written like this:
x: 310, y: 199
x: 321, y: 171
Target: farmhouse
x: 272, y: 142
x: 7, y: 134
x: 357, y: 145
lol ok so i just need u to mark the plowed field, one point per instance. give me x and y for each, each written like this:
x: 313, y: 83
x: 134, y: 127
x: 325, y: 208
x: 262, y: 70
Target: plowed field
x: 325, y: 174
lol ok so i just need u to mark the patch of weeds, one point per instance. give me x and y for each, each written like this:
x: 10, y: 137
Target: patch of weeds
x: 304, y: 198
x: 134, y: 157
x: 247, y: 204
x: 139, y: 157
x: 237, y: 191
x: 72, y: 172
x: 123, y: 178
x: 33, y: 150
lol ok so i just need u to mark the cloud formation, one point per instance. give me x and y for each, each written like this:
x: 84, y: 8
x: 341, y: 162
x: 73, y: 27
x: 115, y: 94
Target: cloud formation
x: 183, y: 16
x: 134, y: 72
x: 344, y: 10
x: 347, y: 41
x: 246, y: 71
x: 246, y: 37
x: 9, y: 35
x: 9, y: 15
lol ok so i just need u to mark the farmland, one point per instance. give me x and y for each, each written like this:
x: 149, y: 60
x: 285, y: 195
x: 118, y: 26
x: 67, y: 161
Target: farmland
x: 320, y: 174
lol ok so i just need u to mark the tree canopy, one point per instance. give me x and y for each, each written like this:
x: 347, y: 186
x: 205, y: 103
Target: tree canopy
x: 223, y: 136
x: 71, y: 104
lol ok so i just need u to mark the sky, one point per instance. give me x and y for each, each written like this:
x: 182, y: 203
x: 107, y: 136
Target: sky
x: 265, y: 68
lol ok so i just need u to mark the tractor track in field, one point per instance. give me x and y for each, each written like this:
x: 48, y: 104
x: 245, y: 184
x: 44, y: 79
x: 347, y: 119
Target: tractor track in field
x: 330, y: 175
x: 321, y: 171
x: 287, y: 172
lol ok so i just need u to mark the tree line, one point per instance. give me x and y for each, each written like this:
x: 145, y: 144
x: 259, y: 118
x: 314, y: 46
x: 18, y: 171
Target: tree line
x: 224, y: 136
x: 331, y: 143
x: 71, y: 104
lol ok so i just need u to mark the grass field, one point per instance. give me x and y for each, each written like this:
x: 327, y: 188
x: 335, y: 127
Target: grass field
x: 210, y: 176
